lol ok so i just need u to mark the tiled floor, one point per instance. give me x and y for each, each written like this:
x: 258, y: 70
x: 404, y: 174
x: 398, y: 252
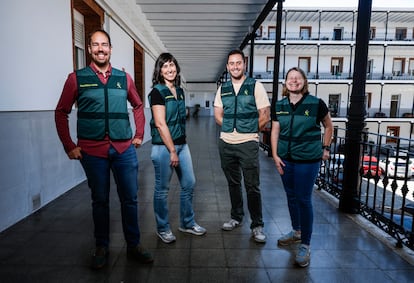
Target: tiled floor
x: 55, y: 244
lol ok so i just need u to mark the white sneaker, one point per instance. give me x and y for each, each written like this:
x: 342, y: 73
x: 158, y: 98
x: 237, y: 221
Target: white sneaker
x: 258, y: 235
x: 166, y: 236
x: 195, y: 230
x: 230, y: 225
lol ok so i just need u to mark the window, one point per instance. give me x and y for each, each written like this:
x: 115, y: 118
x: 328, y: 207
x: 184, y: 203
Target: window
x: 304, y: 64
x: 86, y: 18
x: 369, y: 99
x: 370, y: 68
x: 392, y: 133
x: 305, y: 32
x: 79, y: 40
x: 139, y: 70
x: 372, y: 32
x: 272, y: 32
x: 411, y: 66
x: 338, y: 33
x: 398, y: 65
x: 270, y: 64
x: 400, y: 33
x: 337, y: 65
x: 394, y: 105
x: 334, y: 104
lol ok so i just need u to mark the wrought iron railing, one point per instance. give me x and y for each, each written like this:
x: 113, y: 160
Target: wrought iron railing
x: 386, y: 183
x: 386, y: 180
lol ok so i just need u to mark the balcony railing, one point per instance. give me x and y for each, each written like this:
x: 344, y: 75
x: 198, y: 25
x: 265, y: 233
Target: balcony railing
x: 339, y: 76
x: 344, y: 36
x: 386, y: 184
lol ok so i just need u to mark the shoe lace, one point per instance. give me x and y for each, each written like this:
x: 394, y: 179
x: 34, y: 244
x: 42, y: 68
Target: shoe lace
x: 303, y: 251
x: 258, y: 230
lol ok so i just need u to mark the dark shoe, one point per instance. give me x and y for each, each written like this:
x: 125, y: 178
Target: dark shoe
x: 139, y: 254
x: 100, y: 258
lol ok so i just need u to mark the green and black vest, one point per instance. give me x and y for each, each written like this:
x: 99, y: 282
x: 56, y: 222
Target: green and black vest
x: 300, y: 134
x: 175, y: 114
x: 102, y: 108
x: 240, y: 111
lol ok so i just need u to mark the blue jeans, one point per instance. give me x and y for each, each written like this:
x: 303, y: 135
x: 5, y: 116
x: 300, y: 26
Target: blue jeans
x: 163, y: 172
x: 298, y: 180
x: 235, y: 160
x: 125, y: 171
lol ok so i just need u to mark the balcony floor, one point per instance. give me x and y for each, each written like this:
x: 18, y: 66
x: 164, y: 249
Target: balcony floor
x: 55, y: 243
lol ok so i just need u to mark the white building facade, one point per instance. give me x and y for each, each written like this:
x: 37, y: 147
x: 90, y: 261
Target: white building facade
x: 322, y: 42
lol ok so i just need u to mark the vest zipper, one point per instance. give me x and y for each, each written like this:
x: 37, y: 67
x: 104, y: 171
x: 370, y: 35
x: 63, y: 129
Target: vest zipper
x: 290, y: 134
x: 235, y: 107
x: 106, y: 110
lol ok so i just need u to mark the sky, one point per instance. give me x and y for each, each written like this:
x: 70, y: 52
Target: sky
x: 349, y: 3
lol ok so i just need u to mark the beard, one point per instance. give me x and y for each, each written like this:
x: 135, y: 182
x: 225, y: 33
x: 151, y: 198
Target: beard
x: 101, y: 62
x: 237, y: 77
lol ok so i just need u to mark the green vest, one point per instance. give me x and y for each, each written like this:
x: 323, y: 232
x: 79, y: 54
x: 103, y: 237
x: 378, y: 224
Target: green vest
x: 175, y: 114
x: 300, y: 134
x: 240, y: 111
x: 102, y: 108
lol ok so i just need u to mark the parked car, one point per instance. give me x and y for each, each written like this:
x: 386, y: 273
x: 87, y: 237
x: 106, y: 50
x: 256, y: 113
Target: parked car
x: 370, y: 166
x: 404, y: 150
x: 388, y: 149
x: 393, y: 168
x: 380, y: 115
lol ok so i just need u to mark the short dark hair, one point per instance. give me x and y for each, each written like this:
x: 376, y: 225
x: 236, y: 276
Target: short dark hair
x: 101, y: 31
x: 235, y: 51
x: 161, y: 60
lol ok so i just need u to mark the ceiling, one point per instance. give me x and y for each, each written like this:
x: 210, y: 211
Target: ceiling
x: 200, y: 33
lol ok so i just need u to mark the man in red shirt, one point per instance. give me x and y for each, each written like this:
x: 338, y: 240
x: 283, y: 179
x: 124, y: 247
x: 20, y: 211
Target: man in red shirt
x: 105, y: 142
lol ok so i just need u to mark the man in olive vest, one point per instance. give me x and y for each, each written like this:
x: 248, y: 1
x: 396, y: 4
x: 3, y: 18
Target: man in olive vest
x: 105, y: 142
x: 242, y: 109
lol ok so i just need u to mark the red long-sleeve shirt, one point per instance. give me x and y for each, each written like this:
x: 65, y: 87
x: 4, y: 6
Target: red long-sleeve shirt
x: 93, y: 147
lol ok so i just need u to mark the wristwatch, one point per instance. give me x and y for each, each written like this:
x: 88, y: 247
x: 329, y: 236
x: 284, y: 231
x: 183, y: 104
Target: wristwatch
x: 326, y: 147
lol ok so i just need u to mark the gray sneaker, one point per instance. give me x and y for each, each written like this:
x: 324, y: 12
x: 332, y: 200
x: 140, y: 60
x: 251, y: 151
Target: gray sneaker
x: 195, y: 230
x: 303, y: 256
x: 293, y: 237
x: 258, y: 235
x: 166, y: 236
x: 230, y: 225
